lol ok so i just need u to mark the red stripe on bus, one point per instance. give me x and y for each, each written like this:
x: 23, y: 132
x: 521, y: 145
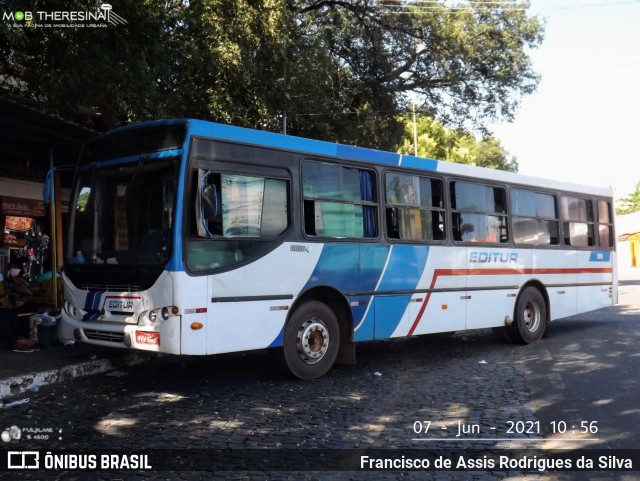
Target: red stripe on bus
x: 499, y: 272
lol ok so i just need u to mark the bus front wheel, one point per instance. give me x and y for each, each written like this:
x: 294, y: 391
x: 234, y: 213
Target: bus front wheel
x: 311, y: 340
x: 530, y: 317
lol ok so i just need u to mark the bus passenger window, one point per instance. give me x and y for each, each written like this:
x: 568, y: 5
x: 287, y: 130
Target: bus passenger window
x: 535, y: 218
x: 339, y: 201
x: 605, y: 227
x: 479, y: 213
x: 578, y: 225
x: 415, y: 207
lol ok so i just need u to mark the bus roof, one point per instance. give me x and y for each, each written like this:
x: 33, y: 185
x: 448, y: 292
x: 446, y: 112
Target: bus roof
x: 340, y: 151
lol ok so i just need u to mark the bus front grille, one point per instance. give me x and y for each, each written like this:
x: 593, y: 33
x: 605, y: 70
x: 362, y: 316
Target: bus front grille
x: 111, y: 287
x: 103, y: 336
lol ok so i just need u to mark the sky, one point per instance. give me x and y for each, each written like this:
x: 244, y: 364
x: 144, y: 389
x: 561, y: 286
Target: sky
x: 583, y: 122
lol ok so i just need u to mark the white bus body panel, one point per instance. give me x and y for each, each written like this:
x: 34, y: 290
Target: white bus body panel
x: 255, y: 323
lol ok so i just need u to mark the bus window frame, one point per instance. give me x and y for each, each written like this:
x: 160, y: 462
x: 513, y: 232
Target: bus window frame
x: 230, y: 167
x: 558, y: 219
x: 376, y: 204
x: 592, y: 222
x: 610, y: 224
x: 445, y: 210
x: 505, y: 186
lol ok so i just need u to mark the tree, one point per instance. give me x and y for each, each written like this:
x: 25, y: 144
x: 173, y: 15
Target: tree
x: 631, y: 203
x: 203, y: 59
x: 336, y: 70
x: 468, y: 63
x: 437, y: 142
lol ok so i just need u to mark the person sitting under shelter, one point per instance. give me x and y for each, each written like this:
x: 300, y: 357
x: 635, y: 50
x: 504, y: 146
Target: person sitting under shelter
x: 19, y: 286
x: 12, y: 329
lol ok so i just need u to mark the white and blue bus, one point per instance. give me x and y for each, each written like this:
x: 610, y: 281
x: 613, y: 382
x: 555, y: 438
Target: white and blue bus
x: 192, y: 238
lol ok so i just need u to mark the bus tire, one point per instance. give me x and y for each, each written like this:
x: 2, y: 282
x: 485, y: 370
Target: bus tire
x: 530, y: 317
x: 311, y: 340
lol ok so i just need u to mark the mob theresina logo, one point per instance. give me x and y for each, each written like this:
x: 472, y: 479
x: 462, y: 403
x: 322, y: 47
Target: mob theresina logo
x: 65, y: 18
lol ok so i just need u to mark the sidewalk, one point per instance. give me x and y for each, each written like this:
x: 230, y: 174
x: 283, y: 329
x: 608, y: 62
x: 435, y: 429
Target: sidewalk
x: 629, y: 275
x: 21, y: 372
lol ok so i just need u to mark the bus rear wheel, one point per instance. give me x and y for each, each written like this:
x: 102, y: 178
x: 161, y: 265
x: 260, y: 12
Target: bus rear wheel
x: 311, y: 340
x: 530, y: 317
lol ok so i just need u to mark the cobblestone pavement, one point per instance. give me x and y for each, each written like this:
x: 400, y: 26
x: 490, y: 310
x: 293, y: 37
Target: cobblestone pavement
x: 243, y: 401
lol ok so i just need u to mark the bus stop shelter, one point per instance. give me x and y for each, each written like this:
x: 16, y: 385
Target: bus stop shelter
x: 31, y: 143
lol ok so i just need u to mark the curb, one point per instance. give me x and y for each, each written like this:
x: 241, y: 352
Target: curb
x: 16, y: 385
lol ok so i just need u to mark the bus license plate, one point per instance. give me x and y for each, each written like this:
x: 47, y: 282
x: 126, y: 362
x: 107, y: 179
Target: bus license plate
x: 146, y: 337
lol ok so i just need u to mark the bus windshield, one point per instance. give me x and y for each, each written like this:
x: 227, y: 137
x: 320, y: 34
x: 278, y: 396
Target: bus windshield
x: 123, y: 212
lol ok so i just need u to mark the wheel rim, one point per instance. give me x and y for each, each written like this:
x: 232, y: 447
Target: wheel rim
x: 531, y: 316
x: 312, y: 341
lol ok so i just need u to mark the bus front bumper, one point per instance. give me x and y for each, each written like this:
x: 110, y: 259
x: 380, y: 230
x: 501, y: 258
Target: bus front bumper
x: 163, y: 337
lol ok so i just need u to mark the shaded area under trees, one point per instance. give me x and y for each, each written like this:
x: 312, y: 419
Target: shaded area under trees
x: 338, y: 70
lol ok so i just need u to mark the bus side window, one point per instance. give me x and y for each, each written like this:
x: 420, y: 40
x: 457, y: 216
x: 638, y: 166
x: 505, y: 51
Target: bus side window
x: 414, y: 207
x: 605, y: 227
x: 479, y: 213
x: 535, y: 218
x: 339, y: 201
x: 578, y: 222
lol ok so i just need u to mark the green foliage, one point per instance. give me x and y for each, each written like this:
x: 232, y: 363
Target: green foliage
x: 338, y: 70
x: 631, y: 203
x: 437, y: 142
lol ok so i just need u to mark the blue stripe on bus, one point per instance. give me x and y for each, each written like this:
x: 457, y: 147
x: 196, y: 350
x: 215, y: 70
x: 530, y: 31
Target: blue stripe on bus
x: 373, y: 263
x: 348, y: 268
x: 352, y: 267
x: 600, y: 256
x: 97, y: 299
x: 402, y: 274
x: 278, y: 341
x: 418, y: 163
x: 405, y: 268
x: 298, y: 144
x: 92, y: 301
x: 359, y: 153
x: 388, y: 313
x: 269, y: 139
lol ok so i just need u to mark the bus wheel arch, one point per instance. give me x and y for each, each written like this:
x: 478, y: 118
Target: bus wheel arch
x: 321, y: 315
x: 531, y: 314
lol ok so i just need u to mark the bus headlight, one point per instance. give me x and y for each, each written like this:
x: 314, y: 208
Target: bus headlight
x: 165, y: 313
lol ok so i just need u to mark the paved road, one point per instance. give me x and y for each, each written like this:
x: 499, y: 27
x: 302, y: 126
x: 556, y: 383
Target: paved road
x: 586, y: 371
